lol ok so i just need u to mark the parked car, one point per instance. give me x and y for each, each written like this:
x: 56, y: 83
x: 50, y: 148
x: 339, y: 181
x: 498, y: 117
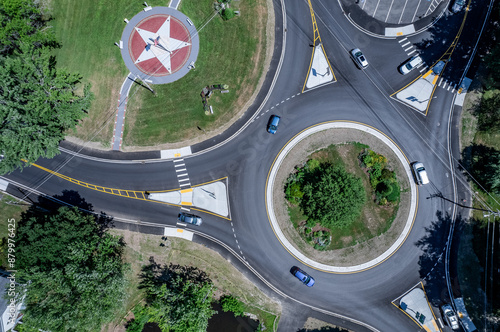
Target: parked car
x: 302, y: 276
x: 190, y: 218
x: 359, y: 58
x: 420, y: 173
x: 450, y: 317
x: 410, y: 64
x: 273, y: 123
x: 458, y: 5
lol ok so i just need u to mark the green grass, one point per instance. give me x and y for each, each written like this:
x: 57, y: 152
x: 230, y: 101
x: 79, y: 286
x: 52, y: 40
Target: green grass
x: 359, y: 231
x: 87, y: 31
x: 227, y: 51
x: 8, y: 211
x: 268, y: 319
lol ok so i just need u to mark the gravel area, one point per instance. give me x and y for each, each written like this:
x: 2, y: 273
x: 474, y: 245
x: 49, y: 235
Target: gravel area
x: 361, y: 252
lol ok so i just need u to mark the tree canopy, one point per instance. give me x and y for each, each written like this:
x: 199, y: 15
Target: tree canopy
x: 38, y: 101
x: 178, y: 298
x: 72, y: 268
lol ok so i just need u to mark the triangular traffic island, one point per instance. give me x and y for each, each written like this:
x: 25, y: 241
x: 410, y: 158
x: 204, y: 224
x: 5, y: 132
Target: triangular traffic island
x: 320, y: 71
x: 418, y: 94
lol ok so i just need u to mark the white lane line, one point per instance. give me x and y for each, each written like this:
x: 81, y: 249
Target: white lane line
x: 232, y: 225
x: 185, y: 184
x: 440, y: 323
x: 179, y: 165
x: 409, y: 48
x: 288, y: 99
x: 440, y: 81
x: 389, y: 11
x: 404, y: 45
x: 376, y: 8
x: 183, y: 208
x: 183, y: 180
x: 364, y: 3
x: 272, y: 107
x: 178, y: 160
x: 237, y: 241
x: 181, y: 224
x: 416, y: 9
x: 411, y: 52
x: 420, y: 64
x: 267, y: 111
x: 180, y: 170
x: 277, y: 105
x: 234, y: 236
x: 402, y: 40
x: 423, y: 69
x: 293, y: 96
x: 282, y: 101
x: 402, y: 12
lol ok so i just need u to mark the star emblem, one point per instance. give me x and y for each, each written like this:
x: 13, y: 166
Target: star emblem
x: 160, y: 45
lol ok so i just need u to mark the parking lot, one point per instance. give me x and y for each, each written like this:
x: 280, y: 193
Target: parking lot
x: 398, y: 11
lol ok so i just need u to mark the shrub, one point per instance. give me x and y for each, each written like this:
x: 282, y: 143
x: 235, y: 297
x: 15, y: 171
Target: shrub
x: 232, y: 304
x: 394, y: 195
x: 228, y: 14
x: 293, y: 193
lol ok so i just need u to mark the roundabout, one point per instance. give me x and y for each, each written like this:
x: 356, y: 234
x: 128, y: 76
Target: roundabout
x: 342, y: 263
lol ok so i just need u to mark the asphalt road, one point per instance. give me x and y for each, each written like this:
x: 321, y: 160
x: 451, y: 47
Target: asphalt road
x: 361, y: 96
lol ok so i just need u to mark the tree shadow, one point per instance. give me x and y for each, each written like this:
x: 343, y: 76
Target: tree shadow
x: 481, y: 164
x: 50, y: 204
x: 431, y: 262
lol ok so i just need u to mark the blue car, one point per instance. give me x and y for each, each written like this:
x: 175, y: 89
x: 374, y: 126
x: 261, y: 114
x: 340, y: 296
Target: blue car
x: 273, y: 123
x: 302, y: 276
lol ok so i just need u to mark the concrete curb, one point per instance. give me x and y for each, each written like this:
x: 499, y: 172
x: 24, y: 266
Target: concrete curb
x: 270, y: 208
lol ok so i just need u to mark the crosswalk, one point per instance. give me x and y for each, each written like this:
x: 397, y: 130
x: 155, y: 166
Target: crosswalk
x: 182, y: 177
x: 411, y: 51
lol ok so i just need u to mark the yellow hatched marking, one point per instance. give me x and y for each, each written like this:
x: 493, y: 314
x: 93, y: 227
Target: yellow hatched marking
x: 186, y: 190
x: 426, y: 328
x: 435, y: 325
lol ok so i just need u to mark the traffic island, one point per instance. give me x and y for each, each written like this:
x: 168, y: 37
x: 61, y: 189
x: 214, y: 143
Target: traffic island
x: 360, y: 256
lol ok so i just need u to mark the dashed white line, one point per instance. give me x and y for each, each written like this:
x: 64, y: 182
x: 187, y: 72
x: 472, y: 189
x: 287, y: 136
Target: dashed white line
x: 272, y: 107
x: 282, y: 101
x: 237, y: 242
x: 277, y: 105
x: 267, y: 111
x: 288, y: 99
x: 234, y: 236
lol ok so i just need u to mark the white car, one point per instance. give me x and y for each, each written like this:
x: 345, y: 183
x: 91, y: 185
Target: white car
x: 420, y: 173
x: 359, y: 58
x: 450, y: 317
x: 411, y: 64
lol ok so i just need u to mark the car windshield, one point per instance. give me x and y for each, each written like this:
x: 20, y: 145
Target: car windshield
x: 358, y: 54
x: 449, y: 313
x: 272, y: 127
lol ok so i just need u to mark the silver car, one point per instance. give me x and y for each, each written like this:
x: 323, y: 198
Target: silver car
x: 359, y: 58
x: 457, y: 6
x: 420, y: 173
x: 450, y: 317
x: 190, y: 218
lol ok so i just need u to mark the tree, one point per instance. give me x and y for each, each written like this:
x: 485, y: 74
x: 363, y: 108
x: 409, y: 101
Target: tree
x: 178, y: 297
x: 488, y: 112
x: 22, y: 22
x: 483, y: 164
x: 72, y: 270
x: 332, y: 196
x: 38, y: 103
x: 232, y: 304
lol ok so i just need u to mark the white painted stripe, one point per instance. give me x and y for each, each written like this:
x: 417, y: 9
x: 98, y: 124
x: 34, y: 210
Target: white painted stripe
x: 402, y: 40
x: 444, y: 85
x: 185, y: 184
x: 179, y: 165
x: 412, y: 52
x: 3, y: 185
x: 179, y: 232
x: 409, y: 48
x: 449, y: 86
x: 183, y: 208
x: 183, y: 180
x: 178, y: 160
x: 404, y: 45
x: 440, y: 81
x: 388, y: 12
x: 180, y: 170
x: 440, y: 323
x: 181, y: 224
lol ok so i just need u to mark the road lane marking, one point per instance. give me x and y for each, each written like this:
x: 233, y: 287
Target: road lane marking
x: 178, y: 160
x: 389, y: 11
x: 409, y: 48
x: 402, y: 40
x: 180, y: 170
x: 412, y: 52
x: 404, y: 45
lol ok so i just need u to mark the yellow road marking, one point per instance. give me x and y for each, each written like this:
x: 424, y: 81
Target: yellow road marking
x: 399, y: 34
x: 427, y: 74
x: 435, y: 80
x: 186, y: 203
x: 179, y: 230
x: 177, y: 155
x: 186, y: 190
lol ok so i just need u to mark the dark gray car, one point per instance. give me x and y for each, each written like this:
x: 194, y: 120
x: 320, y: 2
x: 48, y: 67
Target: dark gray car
x: 190, y: 218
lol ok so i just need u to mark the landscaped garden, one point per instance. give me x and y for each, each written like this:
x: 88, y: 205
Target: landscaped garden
x: 232, y: 52
x: 342, y: 195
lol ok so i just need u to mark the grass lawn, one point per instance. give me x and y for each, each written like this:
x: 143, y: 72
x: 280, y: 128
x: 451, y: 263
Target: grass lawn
x: 374, y: 219
x: 8, y: 211
x: 227, y: 279
x: 231, y: 52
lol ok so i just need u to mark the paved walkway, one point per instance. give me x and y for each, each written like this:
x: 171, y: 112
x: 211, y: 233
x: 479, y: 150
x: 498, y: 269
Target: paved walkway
x: 120, y: 112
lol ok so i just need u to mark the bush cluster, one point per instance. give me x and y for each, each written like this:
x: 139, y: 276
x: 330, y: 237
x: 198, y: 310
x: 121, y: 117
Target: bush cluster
x: 382, y: 179
x: 327, y: 194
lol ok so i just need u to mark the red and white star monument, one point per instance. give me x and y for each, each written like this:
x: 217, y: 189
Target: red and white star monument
x: 160, y: 45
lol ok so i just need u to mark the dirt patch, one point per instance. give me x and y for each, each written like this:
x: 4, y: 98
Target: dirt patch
x: 313, y: 324
x: 361, y: 252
